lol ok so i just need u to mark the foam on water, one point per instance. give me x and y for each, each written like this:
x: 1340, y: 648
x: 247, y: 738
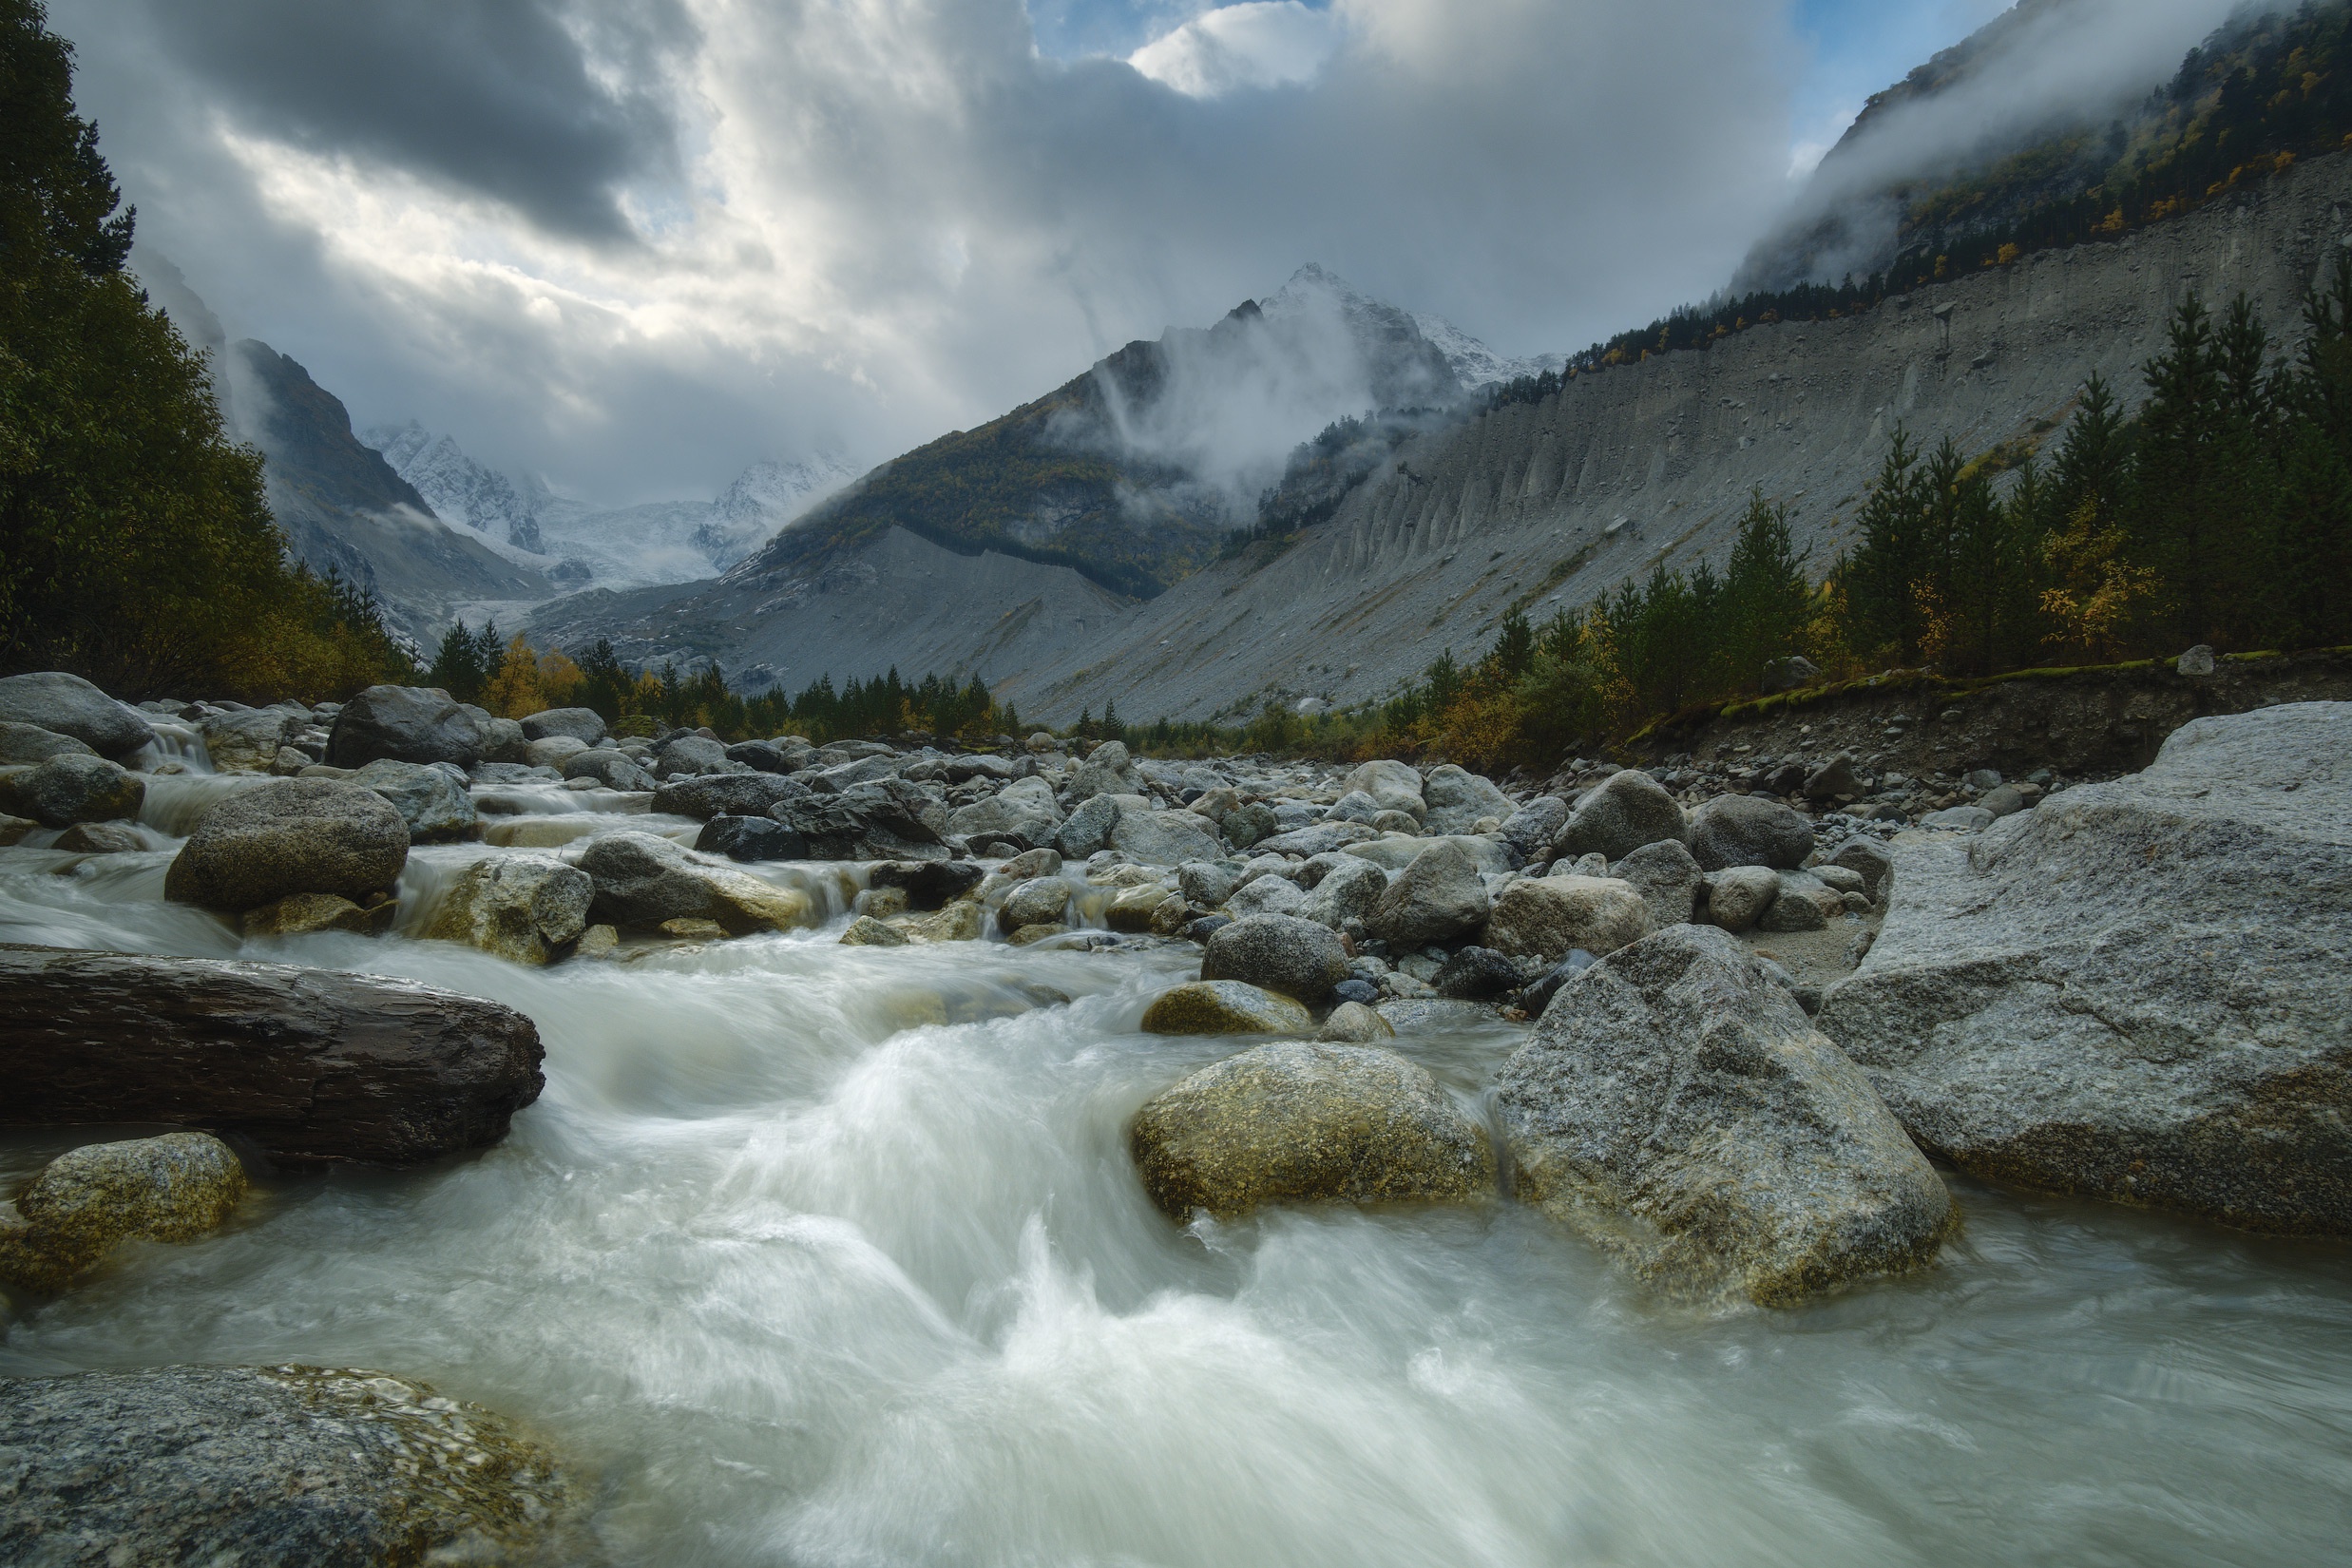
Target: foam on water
x: 835, y: 1255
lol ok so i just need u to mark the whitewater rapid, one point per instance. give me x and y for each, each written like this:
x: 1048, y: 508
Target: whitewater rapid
x: 816, y: 1254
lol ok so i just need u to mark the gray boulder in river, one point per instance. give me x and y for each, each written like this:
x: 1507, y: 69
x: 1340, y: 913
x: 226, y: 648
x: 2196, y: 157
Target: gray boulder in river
x: 86, y: 1200
x: 66, y: 704
x: 405, y: 723
x: 1619, y: 815
x: 430, y: 798
x: 1297, y: 957
x: 270, y: 1465
x: 65, y: 789
x: 642, y: 879
x: 294, y: 836
x: 1679, y: 1108
x: 2140, y: 990
x: 1294, y: 1122
x: 311, y: 1065
x: 526, y: 909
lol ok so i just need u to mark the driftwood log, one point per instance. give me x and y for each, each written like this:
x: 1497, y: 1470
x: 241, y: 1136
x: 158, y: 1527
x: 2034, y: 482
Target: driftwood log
x: 311, y: 1065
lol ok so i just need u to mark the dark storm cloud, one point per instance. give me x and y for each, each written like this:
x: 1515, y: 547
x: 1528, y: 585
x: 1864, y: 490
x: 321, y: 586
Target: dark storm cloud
x: 548, y: 106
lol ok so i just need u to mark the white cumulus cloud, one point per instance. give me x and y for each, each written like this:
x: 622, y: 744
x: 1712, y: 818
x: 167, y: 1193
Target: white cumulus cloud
x: 1261, y: 43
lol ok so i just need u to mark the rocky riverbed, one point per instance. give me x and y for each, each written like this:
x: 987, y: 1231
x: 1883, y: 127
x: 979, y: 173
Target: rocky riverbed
x: 882, y: 1152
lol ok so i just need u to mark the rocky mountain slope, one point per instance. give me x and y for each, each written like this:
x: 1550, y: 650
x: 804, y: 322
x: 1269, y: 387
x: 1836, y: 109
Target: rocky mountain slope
x: 458, y: 489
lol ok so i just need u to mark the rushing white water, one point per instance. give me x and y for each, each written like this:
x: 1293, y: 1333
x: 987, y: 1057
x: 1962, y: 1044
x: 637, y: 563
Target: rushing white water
x: 818, y: 1255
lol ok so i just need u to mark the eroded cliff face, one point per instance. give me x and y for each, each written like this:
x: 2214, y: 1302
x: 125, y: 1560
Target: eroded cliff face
x: 1557, y: 502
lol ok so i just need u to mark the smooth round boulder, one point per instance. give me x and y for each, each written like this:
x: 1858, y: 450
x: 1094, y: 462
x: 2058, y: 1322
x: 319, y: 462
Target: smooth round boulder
x: 1551, y: 917
x: 525, y: 909
x: 87, y: 1200
x: 1619, y: 815
x: 66, y: 704
x: 584, y: 725
x: 1737, y: 898
x: 553, y: 751
x: 1039, y: 900
x: 66, y: 790
x: 1277, y: 952
x: 1299, y: 1122
x: 1224, y: 1008
x: 1354, y: 1023
x: 430, y: 800
x: 31, y: 743
x: 403, y: 724
x: 1436, y: 898
x: 1749, y: 829
x: 292, y: 836
x: 613, y: 769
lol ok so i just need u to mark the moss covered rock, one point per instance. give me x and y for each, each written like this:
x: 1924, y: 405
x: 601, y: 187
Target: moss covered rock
x: 86, y: 1201
x: 1224, y: 1008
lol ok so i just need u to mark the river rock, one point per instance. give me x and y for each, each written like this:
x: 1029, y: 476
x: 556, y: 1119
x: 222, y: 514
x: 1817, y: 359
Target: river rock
x: 31, y: 743
x: 249, y: 741
x: 1436, y: 898
x: 878, y: 821
x: 89, y: 1199
x: 102, y: 838
x: 751, y: 838
x: 1476, y: 974
x: 866, y: 931
x: 270, y: 1465
x: 1804, y: 903
x: 1279, y: 952
x: 554, y: 752
x: 1246, y: 826
x: 1749, y: 829
x: 1134, y: 909
x: 1108, y: 770
x: 312, y: 1064
x: 642, y: 879
x: 1395, y: 785
x: 613, y: 769
x: 69, y: 789
x: 525, y: 909
x: 703, y: 797
x: 1039, y: 900
x: 1737, y: 899
x: 302, y: 915
x: 1459, y: 799
x: 1678, y: 1107
x: 584, y: 725
x: 1345, y: 893
x: 1354, y: 1023
x: 1025, y: 809
x: 929, y: 884
x: 1224, y: 1008
x: 1549, y: 917
x: 1530, y: 829
x: 1619, y: 815
x: 1870, y: 860
x: 1320, y: 838
x: 1088, y: 830
x: 432, y: 800
x: 2142, y: 989
x: 1266, y: 896
x: 1297, y: 1122
x: 1668, y: 879
x: 404, y: 724
x: 767, y: 757
x: 66, y: 704
x: 1165, y: 838
x: 292, y: 836
x: 1207, y: 883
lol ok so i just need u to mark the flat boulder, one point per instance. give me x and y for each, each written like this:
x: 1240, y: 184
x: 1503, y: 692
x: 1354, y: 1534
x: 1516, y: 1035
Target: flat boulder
x: 750, y: 838
x: 642, y: 880
x: 2141, y: 990
x: 1279, y: 952
x: 1749, y: 829
x: 1549, y: 917
x: 584, y: 725
x: 66, y: 704
x: 1458, y: 800
x: 1439, y: 896
x: 272, y: 1464
x: 404, y: 724
x: 1300, y: 1123
x: 1165, y: 838
x: 70, y: 789
x: 613, y: 769
x: 1677, y: 1107
x: 88, y: 1200
x: 311, y: 1065
x: 292, y: 836
x: 1224, y: 1008
x: 1619, y: 815
x: 1321, y: 838
x: 1025, y: 810
x: 526, y: 909
x: 430, y: 798
x: 927, y: 884
x: 704, y: 797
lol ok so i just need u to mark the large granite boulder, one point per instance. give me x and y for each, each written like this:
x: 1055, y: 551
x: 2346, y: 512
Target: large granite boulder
x: 927, y: 884
x: 430, y: 798
x: 87, y: 1200
x: 1088, y: 829
x: 1439, y: 896
x: 1749, y: 829
x: 1317, y: 838
x: 1298, y: 1122
x: 874, y: 821
x: 1025, y: 809
x: 1165, y: 838
x: 311, y: 1065
x: 1553, y: 916
x: 1530, y: 831
x: 583, y: 724
x: 751, y: 839
x: 29, y: 743
x: 248, y: 742
x: 68, y: 789
x: 1277, y: 952
x: 2140, y: 990
x: 690, y: 756
x: 293, y: 835
x: 1676, y: 1107
x: 1224, y: 1008
x: 270, y: 1465
x: 1619, y: 815
x: 66, y: 704
x: 526, y: 909
x: 1346, y: 892
x: 406, y: 724
x: 613, y: 769
x: 642, y: 880
x: 1108, y: 770
x: 1395, y: 786
x: 703, y: 797
x: 1668, y: 879
x: 1457, y: 800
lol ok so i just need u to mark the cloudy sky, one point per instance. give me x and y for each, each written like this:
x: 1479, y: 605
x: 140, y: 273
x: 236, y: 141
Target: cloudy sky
x: 633, y: 245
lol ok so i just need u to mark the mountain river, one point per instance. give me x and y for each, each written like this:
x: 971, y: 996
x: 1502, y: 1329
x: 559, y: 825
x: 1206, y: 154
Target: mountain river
x: 814, y: 1254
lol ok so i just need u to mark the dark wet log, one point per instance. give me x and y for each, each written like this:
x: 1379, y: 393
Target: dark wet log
x: 311, y: 1065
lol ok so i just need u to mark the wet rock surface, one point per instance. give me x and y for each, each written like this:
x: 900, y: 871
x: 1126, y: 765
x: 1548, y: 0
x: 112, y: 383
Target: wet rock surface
x: 1295, y: 957
x: 1224, y: 1008
x: 312, y: 1064
x: 90, y: 1200
x: 295, y: 835
x: 68, y: 705
x: 642, y: 879
x: 523, y: 908
x: 403, y: 724
x: 270, y: 1465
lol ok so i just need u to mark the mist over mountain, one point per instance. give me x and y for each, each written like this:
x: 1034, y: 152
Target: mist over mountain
x: 459, y: 488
